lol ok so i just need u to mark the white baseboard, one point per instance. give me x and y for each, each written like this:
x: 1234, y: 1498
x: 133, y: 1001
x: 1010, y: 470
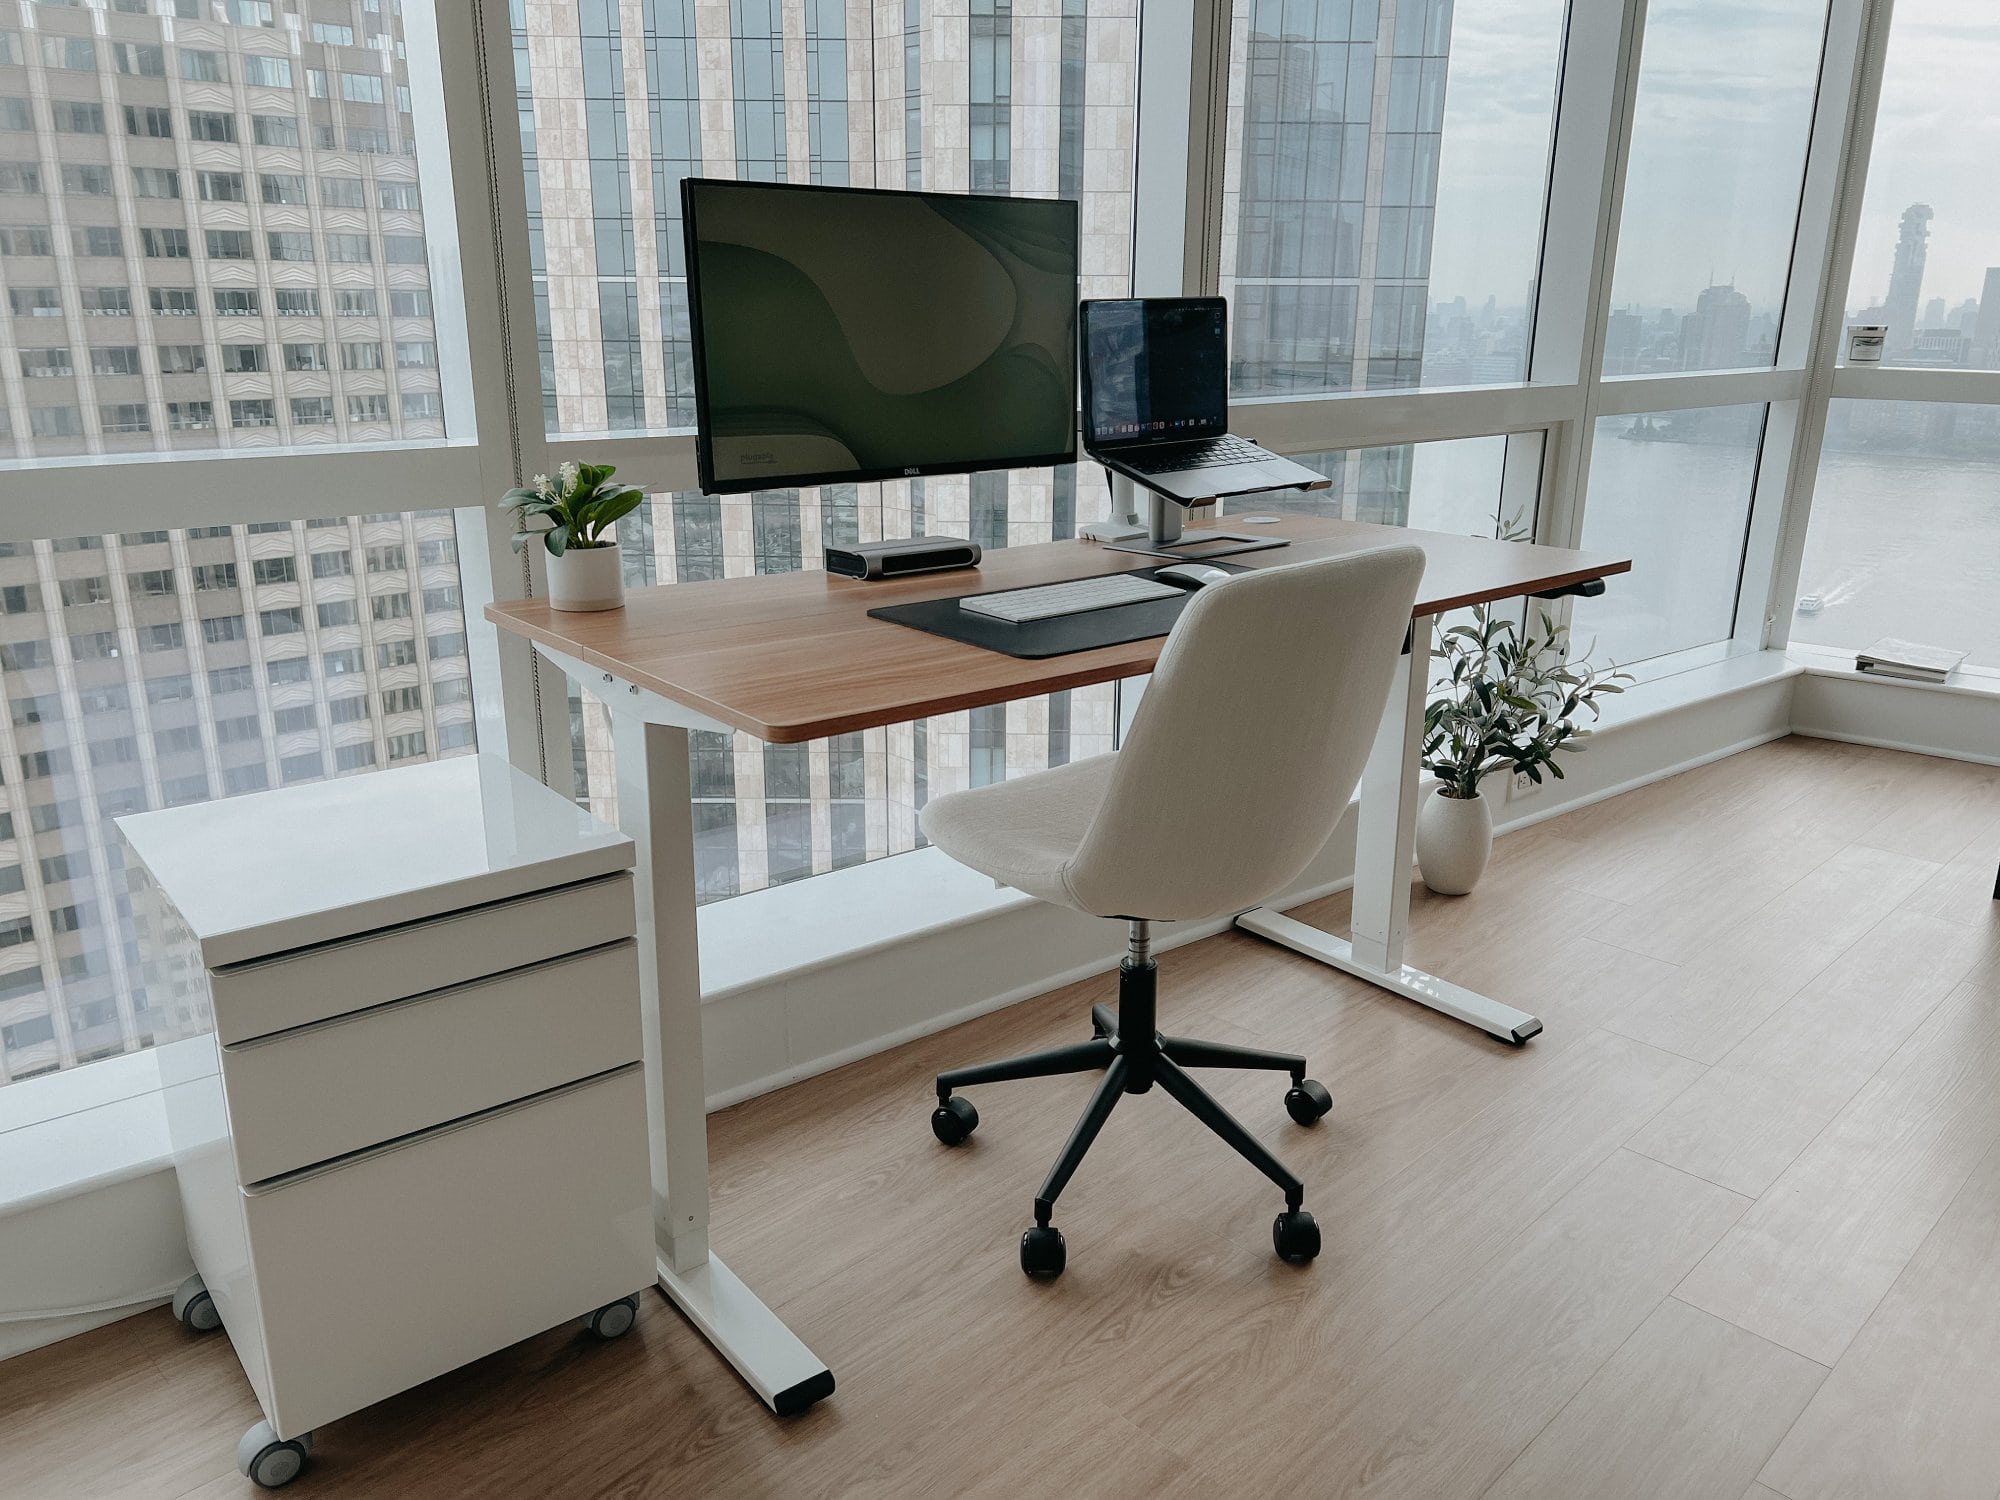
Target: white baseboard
x: 1959, y: 721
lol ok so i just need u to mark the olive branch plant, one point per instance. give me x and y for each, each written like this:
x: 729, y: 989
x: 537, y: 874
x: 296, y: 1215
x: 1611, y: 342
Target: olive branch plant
x: 1510, y: 695
x: 581, y: 502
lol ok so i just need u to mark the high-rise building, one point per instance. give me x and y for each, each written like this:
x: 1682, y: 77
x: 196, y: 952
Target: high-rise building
x: 1716, y: 335
x: 1906, y: 276
x: 211, y: 236
x: 1986, y: 333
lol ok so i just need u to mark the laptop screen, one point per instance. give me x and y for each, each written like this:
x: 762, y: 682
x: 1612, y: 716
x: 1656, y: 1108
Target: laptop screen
x: 1155, y: 370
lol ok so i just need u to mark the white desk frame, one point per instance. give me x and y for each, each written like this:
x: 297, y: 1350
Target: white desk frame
x: 650, y: 741
x: 1384, y: 854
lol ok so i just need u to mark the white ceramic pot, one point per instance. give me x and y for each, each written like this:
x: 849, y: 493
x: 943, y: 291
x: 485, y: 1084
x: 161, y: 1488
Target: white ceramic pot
x: 1454, y: 839
x: 587, y: 578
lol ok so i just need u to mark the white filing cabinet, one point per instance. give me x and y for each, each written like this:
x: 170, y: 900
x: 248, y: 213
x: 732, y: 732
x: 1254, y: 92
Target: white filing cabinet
x: 402, y: 1069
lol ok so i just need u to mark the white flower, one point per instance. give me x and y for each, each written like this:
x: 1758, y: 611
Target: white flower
x: 541, y: 481
x: 567, y: 473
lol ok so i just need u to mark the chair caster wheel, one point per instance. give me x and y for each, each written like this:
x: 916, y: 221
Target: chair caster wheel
x: 1295, y: 1236
x: 268, y: 1460
x: 1307, y: 1100
x: 1043, y: 1253
x: 195, y: 1308
x: 954, y: 1120
x: 615, y: 1319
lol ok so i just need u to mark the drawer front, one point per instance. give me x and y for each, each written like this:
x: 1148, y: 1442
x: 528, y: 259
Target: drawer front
x: 310, y: 1095
x: 382, y: 1272
x: 314, y: 984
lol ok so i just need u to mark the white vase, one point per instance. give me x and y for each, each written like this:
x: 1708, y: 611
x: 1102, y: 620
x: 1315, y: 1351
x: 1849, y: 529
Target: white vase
x: 587, y: 578
x: 1454, y: 840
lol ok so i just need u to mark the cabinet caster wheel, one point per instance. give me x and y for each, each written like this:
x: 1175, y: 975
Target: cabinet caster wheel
x: 1043, y: 1253
x: 1295, y: 1236
x: 195, y: 1308
x: 954, y: 1120
x: 615, y: 1319
x: 268, y: 1460
x: 1307, y: 1100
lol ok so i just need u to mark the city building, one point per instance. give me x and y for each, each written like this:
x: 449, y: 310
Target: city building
x: 1716, y: 335
x: 1906, y: 277
x: 1986, y: 332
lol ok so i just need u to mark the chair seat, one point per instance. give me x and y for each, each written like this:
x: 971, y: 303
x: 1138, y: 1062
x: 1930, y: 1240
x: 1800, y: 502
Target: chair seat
x: 1024, y: 833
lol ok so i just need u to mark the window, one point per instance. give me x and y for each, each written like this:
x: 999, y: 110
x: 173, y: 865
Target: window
x: 422, y: 406
x: 165, y: 244
x: 295, y: 302
x: 342, y: 192
x: 142, y: 59
x: 283, y: 187
x: 86, y: 180
x: 15, y: 113
x: 407, y: 746
x: 312, y: 411
x: 353, y: 757
x: 332, y: 34
x: 171, y: 301
x: 156, y: 182
x: 336, y: 613
x: 216, y: 629
x: 208, y: 125
x: 290, y: 246
x: 387, y: 559
x: 105, y: 301
x: 1712, y: 188
x: 354, y: 303
x: 274, y: 130
x: 35, y: 302
x: 403, y: 249
x: 203, y: 67
x: 267, y: 72
x: 223, y: 187
x: 333, y: 564
x: 236, y: 302
x: 254, y: 412
x: 244, y: 359
x: 399, y: 197
x: 72, y: 117
x: 348, y: 249
x: 416, y: 356
x: 78, y: 54
x: 96, y: 240
x: 361, y: 356
x: 367, y: 409
x: 229, y: 245
x: 402, y: 700
x: 305, y: 356
x: 114, y: 361
x: 190, y: 416
x: 20, y: 178
x: 124, y: 416
x: 45, y: 363
x: 410, y: 304
x: 28, y: 240
x: 148, y: 120
x: 361, y: 88
x: 401, y: 653
x: 389, y: 607
x: 1672, y: 492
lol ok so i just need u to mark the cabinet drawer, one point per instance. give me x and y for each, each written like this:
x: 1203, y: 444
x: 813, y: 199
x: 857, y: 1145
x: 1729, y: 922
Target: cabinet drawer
x: 312, y: 984
x: 375, y: 1274
x: 322, y: 1091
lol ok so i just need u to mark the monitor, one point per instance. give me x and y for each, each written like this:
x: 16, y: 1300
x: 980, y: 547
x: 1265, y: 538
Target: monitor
x: 1155, y: 370
x: 846, y: 334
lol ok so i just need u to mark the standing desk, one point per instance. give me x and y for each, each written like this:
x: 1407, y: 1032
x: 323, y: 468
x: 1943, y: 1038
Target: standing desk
x: 793, y: 657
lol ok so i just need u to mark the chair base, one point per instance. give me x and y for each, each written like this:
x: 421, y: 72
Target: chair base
x: 1133, y: 1054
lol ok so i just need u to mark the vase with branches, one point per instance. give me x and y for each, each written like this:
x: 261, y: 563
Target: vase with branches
x: 581, y: 504
x: 1510, y: 697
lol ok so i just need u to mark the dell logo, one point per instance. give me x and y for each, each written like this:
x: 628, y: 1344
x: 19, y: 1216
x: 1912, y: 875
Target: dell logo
x: 911, y: 472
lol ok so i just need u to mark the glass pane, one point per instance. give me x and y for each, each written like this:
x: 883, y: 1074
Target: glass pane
x: 1449, y: 486
x: 222, y: 225
x: 1672, y: 492
x: 1719, y: 133
x: 769, y: 814
x: 1382, y: 196
x: 1927, y: 262
x: 158, y: 668
x: 1040, y: 104
x: 1905, y: 533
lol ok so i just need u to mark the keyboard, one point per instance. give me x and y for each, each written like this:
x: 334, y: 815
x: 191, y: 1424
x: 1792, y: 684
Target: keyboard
x: 1212, y: 454
x: 1019, y: 606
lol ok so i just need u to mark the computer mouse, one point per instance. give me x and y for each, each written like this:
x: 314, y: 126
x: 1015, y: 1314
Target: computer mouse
x: 1194, y: 575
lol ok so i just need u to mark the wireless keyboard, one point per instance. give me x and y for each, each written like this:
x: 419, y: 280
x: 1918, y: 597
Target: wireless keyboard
x: 1019, y: 606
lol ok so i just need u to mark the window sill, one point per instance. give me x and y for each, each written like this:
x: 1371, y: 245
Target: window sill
x: 90, y: 1127
x: 1829, y: 661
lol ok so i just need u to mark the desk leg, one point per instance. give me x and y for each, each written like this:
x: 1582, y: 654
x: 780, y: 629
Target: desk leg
x: 1384, y: 852
x: 655, y: 812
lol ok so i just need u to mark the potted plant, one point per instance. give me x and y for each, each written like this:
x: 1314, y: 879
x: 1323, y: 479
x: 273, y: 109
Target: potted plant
x: 1507, y: 700
x: 581, y: 505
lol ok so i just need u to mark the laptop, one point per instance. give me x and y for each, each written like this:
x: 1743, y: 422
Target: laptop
x: 1156, y: 401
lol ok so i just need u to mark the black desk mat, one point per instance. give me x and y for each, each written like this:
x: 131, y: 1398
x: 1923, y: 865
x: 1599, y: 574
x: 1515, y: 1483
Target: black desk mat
x: 1034, y: 639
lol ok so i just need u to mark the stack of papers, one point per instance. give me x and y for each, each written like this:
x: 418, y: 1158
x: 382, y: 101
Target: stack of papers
x: 1890, y: 657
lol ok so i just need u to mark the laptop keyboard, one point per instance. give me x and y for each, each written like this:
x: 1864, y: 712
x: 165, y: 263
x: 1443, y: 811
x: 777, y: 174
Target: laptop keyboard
x: 1209, y: 455
x: 1019, y: 606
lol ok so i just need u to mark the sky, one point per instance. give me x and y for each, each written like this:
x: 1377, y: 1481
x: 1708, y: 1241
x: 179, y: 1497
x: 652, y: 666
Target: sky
x: 1719, y: 138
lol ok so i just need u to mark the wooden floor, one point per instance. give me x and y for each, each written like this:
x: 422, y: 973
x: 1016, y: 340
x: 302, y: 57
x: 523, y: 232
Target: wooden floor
x: 1730, y: 1227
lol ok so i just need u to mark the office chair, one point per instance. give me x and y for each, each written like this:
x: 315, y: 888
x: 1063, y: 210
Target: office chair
x: 1243, y: 755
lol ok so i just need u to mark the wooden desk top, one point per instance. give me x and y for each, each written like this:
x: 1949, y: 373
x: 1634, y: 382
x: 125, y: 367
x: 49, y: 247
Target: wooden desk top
x: 790, y: 657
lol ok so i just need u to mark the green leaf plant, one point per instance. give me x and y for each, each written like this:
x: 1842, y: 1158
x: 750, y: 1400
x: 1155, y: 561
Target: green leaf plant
x: 580, y: 503
x: 1510, y: 697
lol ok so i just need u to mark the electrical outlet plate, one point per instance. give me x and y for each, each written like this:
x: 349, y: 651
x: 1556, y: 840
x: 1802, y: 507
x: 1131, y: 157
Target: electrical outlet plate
x: 1523, y: 786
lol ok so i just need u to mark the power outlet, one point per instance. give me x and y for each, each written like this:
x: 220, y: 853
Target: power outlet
x: 1524, y: 786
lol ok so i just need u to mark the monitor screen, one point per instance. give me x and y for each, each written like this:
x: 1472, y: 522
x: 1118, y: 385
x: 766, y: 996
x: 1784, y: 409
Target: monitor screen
x: 849, y: 334
x: 1155, y: 370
